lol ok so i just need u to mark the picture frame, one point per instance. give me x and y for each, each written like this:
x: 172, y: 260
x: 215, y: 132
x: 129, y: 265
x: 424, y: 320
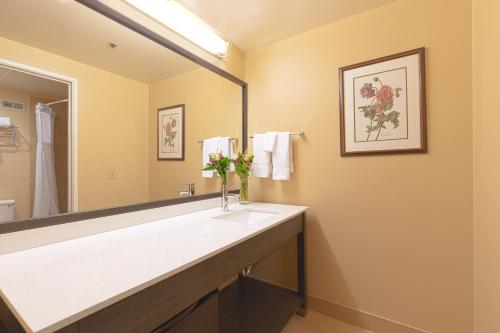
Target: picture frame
x: 383, y: 105
x: 171, y: 133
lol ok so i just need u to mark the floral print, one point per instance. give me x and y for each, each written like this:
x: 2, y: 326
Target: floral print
x: 379, y: 108
x: 170, y: 133
x: 385, y: 95
x: 367, y: 91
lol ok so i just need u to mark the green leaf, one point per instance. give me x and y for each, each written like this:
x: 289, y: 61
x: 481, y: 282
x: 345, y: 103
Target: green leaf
x: 369, y: 111
x: 393, y: 117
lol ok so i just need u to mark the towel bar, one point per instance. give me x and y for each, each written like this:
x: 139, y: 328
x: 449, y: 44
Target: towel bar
x: 291, y: 133
x: 232, y: 139
x: 11, y: 134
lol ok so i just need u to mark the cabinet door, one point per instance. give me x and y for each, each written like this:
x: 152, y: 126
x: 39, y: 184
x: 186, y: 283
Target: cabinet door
x: 201, y: 317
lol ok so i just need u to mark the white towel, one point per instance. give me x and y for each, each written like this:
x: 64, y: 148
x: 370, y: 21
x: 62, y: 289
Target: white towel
x: 269, y: 141
x: 5, y: 122
x: 226, y: 149
x: 210, y: 146
x: 282, y: 157
x: 261, y: 160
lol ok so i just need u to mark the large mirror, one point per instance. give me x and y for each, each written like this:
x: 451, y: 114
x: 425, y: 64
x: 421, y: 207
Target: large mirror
x: 94, y: 115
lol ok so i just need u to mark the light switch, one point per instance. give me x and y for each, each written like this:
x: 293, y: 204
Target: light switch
x: 112, y: 174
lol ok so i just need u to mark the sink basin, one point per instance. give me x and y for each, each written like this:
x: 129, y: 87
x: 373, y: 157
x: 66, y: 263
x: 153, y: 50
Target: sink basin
x: 247, y: 216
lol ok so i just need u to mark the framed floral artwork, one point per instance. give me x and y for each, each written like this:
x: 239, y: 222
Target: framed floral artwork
x: 171, y: 133
x: 382, y: 105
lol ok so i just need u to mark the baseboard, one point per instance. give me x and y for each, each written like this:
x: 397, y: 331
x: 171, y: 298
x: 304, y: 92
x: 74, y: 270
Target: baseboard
x: 360, y: 318
x: 363, y: 319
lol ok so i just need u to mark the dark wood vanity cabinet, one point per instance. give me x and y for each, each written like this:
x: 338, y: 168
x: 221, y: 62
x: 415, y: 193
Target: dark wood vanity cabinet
x: 191, y: 301
x: 202, y: 316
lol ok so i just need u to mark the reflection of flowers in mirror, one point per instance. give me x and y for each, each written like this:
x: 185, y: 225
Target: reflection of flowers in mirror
x: 243, y: 163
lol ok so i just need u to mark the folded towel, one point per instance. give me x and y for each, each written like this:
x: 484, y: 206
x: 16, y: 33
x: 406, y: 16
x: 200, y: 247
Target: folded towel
x: 282, y: 157
x: 269, y: 141
x: 5, y: 122
x: 261, y: 160
x: 226, y: 149
x: 210, y: 146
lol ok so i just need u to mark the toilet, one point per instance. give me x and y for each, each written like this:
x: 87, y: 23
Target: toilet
x: 7, y: 208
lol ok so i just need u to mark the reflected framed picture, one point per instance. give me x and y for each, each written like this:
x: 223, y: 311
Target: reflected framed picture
x: 171, y: 133
x: 382, y: 105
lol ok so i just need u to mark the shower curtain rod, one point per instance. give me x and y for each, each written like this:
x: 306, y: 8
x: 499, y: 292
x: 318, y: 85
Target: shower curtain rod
x: 57, y: 102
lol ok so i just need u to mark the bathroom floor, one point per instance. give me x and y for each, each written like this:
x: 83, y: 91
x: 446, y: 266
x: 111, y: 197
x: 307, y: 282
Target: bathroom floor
x: 317, y: 323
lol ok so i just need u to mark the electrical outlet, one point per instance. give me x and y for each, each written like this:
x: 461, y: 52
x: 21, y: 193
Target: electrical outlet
x: 112, y: 174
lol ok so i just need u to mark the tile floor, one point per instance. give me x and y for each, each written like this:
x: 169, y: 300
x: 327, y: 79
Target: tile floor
x: 317, y: 323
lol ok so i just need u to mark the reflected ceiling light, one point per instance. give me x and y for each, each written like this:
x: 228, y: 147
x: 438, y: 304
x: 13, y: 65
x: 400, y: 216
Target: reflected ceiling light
x: 179, y: 19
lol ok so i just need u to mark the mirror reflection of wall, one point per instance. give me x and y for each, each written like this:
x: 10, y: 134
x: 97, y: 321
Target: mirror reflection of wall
x: 105, y: 136
x: 209, y: 112
x: 26, y: 175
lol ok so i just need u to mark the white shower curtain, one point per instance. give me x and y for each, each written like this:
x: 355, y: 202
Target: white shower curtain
x: 46, y: 202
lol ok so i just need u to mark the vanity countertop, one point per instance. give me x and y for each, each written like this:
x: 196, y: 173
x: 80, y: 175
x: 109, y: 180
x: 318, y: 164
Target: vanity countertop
x: 52, y: 286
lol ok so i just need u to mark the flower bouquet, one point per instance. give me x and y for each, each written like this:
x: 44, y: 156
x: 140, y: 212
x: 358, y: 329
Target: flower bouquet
x: 220, y: 164
x: 243, y: 165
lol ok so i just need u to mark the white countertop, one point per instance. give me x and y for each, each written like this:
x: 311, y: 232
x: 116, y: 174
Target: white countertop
x: 52, y: 286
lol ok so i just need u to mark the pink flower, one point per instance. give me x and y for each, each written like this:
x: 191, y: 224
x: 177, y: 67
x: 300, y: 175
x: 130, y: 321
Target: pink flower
x: 168, y: 129
x: 367, y: 91
x: 174, y: 122
x: 385, y: 95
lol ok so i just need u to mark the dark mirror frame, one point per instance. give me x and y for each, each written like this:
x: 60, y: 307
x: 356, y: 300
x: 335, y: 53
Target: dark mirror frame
x: 116, y: 16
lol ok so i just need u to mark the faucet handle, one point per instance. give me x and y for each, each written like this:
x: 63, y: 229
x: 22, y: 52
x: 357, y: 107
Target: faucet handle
x: 190, y: 190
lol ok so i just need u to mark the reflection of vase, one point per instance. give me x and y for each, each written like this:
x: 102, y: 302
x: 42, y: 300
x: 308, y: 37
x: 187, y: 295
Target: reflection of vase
x: 224, y: 193
x: 244, y: 191
x: 224, y: 198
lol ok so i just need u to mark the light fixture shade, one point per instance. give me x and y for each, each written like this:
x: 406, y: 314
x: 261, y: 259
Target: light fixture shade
x: 179, y: 19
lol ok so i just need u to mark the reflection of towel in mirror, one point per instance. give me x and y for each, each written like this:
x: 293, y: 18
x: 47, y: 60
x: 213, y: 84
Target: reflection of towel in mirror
x: 282, y: 157
x: 5, y: 122
x: 261, y: 159
x: 226, y: 149
x: 210, y: 146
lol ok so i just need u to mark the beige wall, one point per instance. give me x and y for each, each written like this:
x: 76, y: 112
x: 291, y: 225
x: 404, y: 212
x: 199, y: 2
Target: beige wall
x: 61, y: 153
x: 390, y: 235
x: 112, y: 128
x: 212, y: 108
x: 486, y: 51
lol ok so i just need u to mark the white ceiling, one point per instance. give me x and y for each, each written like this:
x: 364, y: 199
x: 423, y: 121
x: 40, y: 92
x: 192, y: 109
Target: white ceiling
x: 71, y: 30
x: 251, y: 24
x: 26, y: 82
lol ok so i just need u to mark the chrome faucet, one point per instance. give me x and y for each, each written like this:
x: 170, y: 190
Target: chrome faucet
x: 225, y: 198
x: 190, y: 191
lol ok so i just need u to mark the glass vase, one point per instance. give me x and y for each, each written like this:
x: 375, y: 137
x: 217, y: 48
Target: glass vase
x: 244, y: 191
